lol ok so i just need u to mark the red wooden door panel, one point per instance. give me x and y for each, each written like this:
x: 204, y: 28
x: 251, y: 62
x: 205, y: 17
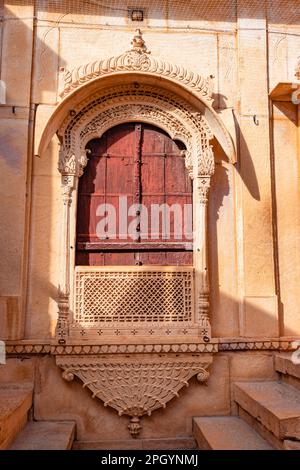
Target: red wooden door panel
x: 134, y: 167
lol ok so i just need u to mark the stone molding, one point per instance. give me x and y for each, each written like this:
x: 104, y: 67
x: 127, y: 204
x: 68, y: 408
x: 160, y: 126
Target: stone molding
x: 258, y: 345
x: 35, y: 347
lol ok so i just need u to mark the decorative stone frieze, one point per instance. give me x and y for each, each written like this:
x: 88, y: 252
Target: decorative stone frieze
x: 34, y: 347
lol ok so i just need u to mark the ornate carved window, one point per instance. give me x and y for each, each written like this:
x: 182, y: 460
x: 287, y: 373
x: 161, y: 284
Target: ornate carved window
x: 137, y: 93
x: 142, y: 294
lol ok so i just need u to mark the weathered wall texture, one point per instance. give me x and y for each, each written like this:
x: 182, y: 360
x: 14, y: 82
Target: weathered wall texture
x: 254, y: 207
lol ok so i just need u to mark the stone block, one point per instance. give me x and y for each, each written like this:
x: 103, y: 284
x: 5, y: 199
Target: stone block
x: 17, y: 35
x: 285, y: 365
x: 45, y: 435
x: 15, y: 403
x: 252, y: 366
x: 261, y: 317
x: 275, y: 405
x: 227, y: 433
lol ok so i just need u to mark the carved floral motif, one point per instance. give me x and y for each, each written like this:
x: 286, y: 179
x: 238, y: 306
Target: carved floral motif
x: 203, y: 185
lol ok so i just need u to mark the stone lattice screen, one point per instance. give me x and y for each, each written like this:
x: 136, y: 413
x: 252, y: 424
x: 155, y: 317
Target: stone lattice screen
x: 133, y: 296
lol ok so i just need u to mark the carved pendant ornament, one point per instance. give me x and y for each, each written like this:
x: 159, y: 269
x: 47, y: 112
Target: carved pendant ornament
x: 135, y: 386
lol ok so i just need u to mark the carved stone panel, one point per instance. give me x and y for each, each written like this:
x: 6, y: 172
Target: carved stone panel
x: 138, y: 385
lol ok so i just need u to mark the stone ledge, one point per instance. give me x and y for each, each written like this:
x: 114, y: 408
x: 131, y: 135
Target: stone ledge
x: 15, y: 403
x: 285, y: 365
x: 180, y: 443
x: 214, y: 346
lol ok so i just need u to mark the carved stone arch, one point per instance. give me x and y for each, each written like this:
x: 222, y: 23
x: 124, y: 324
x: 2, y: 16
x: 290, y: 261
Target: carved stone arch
x: 152, y: 105
x: 135, y: 65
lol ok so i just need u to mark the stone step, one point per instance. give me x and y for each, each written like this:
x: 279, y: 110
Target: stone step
x: 285, y: 365
x: 274, y: 404
x: 15, y: 403
x: 291, y: 445
x: 227, y: 433
x: 180, y: 443
x: 45, y: 435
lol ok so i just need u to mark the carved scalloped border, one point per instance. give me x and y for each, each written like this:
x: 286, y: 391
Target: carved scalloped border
x: 133, y: 61
x: 18, y: 347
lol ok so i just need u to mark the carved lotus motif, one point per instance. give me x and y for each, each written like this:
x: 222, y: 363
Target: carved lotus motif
x: 137, y: 60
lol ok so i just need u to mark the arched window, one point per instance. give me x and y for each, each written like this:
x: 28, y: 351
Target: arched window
x: 134, y: 200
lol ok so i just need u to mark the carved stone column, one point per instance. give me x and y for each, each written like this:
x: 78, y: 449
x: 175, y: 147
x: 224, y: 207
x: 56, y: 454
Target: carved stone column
x: 70, y: 168
x: 64, y: 284
x: 201, y: 191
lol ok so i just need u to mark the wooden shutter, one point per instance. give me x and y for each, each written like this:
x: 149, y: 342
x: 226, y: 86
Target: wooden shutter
x: 143, y: 164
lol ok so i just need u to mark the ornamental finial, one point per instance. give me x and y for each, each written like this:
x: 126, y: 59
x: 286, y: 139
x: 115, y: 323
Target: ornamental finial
x: 138, y: 43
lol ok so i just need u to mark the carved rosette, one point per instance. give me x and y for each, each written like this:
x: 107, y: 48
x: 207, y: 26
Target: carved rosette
x: 135, y: 386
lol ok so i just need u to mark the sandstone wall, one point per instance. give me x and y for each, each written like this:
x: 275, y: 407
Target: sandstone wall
x: 248, y: 50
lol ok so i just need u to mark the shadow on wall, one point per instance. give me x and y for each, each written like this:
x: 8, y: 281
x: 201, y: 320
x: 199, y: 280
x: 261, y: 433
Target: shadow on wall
x: 17, y: 178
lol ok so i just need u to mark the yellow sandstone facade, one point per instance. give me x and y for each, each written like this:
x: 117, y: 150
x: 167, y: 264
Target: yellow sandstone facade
x: 222, y: 77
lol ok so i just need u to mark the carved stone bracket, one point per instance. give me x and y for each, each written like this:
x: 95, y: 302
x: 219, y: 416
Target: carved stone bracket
x: 138, y: 385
